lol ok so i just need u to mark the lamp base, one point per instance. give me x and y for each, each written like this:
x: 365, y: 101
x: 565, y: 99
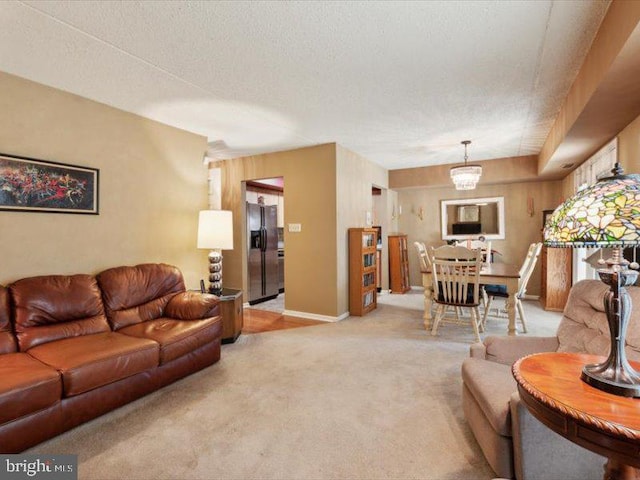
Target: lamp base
x: 615, y: 375
x: 215, y: 272
x: 617, y: 381
x: 215, y: 291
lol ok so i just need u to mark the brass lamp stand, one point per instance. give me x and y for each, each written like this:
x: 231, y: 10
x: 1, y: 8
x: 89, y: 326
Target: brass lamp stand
x: 606, y: 215
x: 615, y: 375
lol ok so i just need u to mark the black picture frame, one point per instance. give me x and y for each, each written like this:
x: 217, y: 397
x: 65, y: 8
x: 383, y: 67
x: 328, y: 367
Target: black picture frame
x: 34, y: 185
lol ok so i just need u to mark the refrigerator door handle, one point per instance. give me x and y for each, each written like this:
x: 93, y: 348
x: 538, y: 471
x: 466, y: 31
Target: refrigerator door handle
x: 263, y: 234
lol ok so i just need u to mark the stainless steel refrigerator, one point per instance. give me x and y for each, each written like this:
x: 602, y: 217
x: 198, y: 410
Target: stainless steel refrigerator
x: 262, y: 255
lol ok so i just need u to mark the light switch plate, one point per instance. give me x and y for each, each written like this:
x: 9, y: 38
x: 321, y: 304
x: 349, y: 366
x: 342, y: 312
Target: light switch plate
x: 295, y: 227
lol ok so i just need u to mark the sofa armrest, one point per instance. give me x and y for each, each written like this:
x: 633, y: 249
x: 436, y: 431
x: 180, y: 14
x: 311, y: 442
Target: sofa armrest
x: 192, y: 306
x: 507, y: 350
x: 539, y: 452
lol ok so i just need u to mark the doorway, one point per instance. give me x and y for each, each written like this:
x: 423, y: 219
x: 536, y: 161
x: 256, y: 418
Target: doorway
x: 265, y: 249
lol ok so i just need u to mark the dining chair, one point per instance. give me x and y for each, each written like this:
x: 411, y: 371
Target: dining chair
x: 485, y: 248
x: 423, y: 256
x: 526, y: 270
x: 456, y: 283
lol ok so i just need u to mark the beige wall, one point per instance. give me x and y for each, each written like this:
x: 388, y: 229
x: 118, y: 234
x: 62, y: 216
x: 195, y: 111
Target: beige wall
x: 327, y: 189
x: 521, y: 229
x: 152, y: 184
x: 355, y: 176
x: 310, y: 199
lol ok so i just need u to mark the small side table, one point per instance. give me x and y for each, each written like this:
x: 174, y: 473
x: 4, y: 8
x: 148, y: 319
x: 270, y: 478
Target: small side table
x: 550, y: 386
x: 231, y: 310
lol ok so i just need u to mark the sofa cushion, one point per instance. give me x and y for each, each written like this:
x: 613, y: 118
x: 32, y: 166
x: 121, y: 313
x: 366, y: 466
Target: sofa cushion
x: 7, y: 340
x: 92, y: 361
x: 138, y: 294
x: 27, y: 386
x: 177, y: 337
x: 584, y: 328
x: 54, y: 307
x: 491, y: 385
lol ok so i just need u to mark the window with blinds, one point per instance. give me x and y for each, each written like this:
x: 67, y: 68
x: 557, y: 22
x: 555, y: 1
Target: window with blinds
x: 597, y: 166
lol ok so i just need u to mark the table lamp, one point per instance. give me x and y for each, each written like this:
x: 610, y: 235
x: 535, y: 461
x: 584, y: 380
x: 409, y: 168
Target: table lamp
x: 606, y: 214
x: 215, y: 232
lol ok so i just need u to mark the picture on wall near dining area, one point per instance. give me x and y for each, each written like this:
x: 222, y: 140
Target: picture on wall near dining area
x: 28, y: 184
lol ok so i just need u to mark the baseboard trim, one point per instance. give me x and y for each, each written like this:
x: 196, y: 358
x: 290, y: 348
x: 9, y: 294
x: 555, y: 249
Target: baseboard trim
x: 531, y: 297
x: 417, y: 287
x: 315, y: 316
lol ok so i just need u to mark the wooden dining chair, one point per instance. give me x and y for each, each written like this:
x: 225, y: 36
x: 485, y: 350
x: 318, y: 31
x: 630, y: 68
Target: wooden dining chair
x: 484, y: 247
x: 526, y: 270
x: 456, y: 283
x: 423, y: 256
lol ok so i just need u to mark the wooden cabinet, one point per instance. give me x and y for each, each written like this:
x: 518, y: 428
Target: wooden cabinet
x: 556, y: 277
x: 379, y: 269
x: 398, y: 264
x: 362, y: 270
x: 231, y: 311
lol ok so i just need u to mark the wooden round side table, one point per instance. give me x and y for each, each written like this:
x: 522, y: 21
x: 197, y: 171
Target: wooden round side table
x: 549, y: 385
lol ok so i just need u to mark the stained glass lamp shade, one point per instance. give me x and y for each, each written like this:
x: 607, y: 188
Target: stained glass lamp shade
x: 606, y: 214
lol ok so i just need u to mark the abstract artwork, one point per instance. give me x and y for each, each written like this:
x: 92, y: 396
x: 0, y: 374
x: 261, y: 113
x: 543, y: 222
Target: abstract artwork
x: 28, y: 184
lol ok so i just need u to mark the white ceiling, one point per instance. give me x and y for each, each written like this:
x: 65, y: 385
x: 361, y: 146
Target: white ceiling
x: 401, y: 83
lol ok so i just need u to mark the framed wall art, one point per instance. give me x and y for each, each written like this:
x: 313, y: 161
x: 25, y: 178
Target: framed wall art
x: 468, y: 213
x: 32, y: 185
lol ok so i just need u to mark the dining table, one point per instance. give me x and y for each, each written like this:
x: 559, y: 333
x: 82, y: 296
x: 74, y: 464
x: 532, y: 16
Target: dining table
x: 551, y: 387
x: 491, y: 274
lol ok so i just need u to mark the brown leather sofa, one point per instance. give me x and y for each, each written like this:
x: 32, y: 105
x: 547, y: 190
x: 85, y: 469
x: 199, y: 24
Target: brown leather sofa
x: 74, y: 347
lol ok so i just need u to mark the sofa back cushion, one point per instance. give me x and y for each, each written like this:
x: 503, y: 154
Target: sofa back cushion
x: 584, y: 327
x: 7, y: 340
x: 137, y: 294
x: 54, y: 307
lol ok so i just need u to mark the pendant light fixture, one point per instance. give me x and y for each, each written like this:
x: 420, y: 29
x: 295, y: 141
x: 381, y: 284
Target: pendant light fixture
x: 466, y: 177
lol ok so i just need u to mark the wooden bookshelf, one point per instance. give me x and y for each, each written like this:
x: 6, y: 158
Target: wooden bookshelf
x: 398, y: 263
x: 362, y: 270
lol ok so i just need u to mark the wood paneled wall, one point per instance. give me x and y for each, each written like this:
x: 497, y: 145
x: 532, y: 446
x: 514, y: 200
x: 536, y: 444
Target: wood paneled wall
x: 496, y: 171
x: 605, y: 95
x: 521, y: 229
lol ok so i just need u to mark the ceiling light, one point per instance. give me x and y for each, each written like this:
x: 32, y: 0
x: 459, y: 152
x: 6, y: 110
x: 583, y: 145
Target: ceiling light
x: 466, y: 177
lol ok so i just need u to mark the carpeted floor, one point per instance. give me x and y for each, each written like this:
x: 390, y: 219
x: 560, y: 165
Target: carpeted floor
x: 366, y: 398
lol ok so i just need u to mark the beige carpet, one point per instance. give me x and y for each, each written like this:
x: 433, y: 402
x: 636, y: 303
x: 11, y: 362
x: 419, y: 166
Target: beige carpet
x: 366, y: 398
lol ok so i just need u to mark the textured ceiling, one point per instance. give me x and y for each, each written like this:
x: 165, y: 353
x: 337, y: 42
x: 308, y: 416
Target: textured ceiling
x: 401, y: 83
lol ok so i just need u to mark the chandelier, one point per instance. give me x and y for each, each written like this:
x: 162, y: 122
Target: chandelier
x: 466, y: 177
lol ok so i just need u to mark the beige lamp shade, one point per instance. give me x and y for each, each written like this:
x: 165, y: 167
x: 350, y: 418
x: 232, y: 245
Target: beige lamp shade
x: 215, y: 229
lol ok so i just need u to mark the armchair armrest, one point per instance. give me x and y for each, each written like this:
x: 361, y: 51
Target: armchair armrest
x: 478, y: 350
x: 192, y: 306
x: 507, y: 350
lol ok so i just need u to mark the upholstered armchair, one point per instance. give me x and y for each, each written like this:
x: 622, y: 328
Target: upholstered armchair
x: 515, y: 444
